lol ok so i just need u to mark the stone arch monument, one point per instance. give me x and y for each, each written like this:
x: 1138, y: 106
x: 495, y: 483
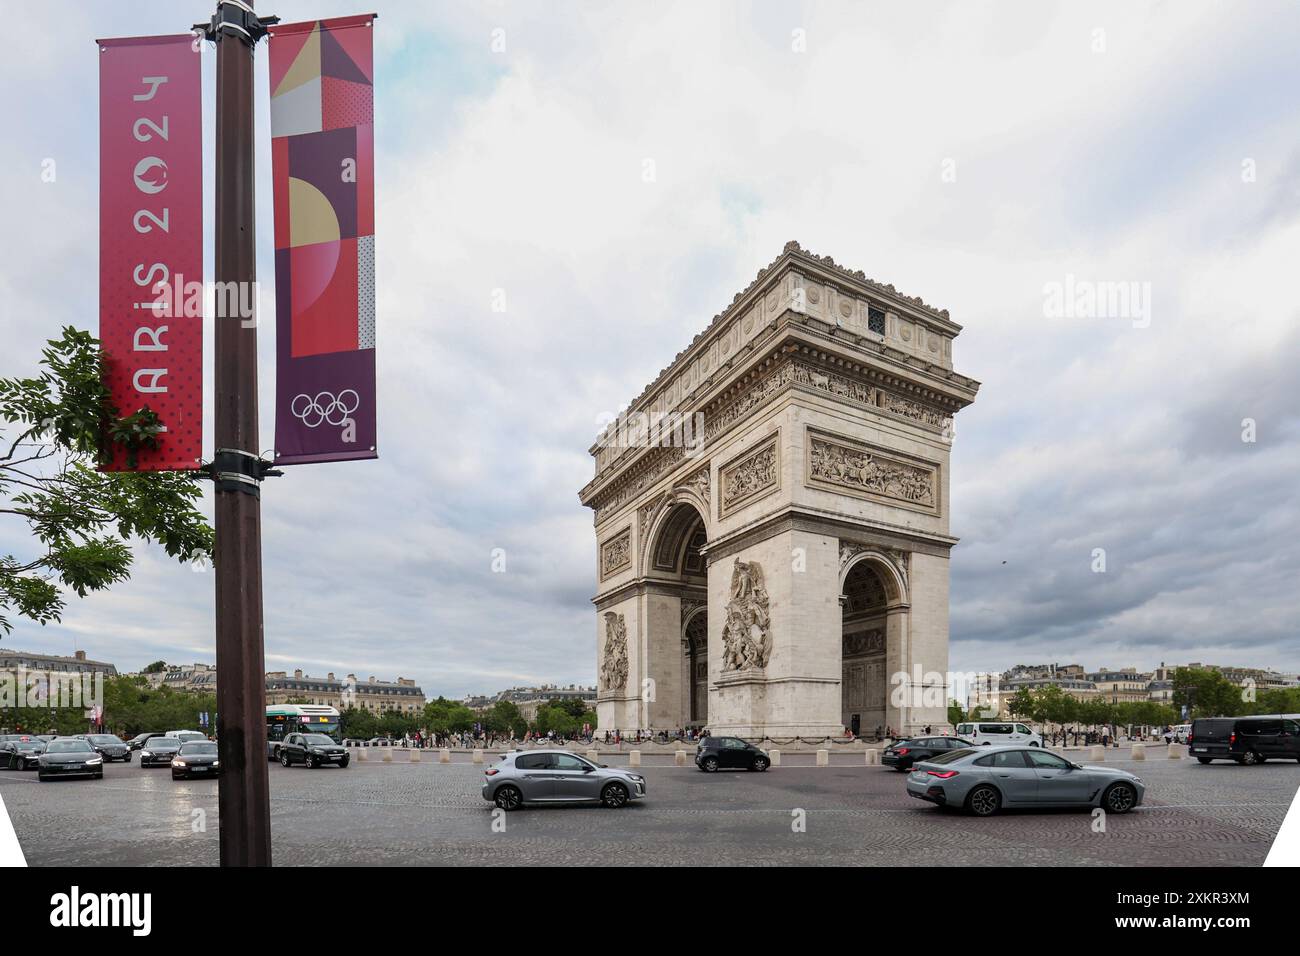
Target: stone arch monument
x: 772, y: 517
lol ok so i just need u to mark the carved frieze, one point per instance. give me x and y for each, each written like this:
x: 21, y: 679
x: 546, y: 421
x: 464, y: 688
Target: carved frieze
x: 746, y: 634
x: 616, y: 553
x: 699, y: 483
x: 864, y: 471
x: 864, y: 642
x: 613, y: 661
x: 749, y: 476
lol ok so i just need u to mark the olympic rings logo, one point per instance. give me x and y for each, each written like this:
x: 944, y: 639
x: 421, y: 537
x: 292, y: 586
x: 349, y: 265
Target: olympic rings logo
x: 325, y: 408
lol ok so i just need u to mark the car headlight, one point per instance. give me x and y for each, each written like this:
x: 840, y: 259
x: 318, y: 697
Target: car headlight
x: 637, y: 777
x: 94, y: 760
x: 178, y: 763
x: 216, y: 763
x: 146, y: 753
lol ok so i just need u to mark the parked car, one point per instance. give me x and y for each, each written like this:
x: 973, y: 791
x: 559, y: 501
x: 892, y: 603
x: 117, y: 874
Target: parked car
x: 1247, y: 740
x: 903, y: 754
x: 70, y: 757
x: 729, y: 753
x: 20, y: 751
x: 1180, y: 732
x: 198, y: 758
x: 158, y: 751
x: 1003, y: 733
x: 558, y: 776
x: 109, y: 746
x: 983, y: 781
x: 312, y: 750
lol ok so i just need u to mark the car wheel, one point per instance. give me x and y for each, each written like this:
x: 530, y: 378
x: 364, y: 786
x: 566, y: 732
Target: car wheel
x: 709, y: 764
x: 1119, y: 798
x: 759, y: 764
x: 310, y: 762
x: 984, y: 801
x: 614, y: 795
x: 1206, y: 759
x: 508, y: 798
x: 1033, y: 743
x: 1250, y: 758
x: 126, y: 759
x: 344, y: 762
x: 284, y: 758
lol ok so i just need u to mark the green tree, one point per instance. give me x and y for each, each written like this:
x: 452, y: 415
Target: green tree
x: 157, y: 667
x: 58, y: 427
x: 1207, y: 693
x: 1022, y: 703
x: 504, y: 718
x: 956, y: 713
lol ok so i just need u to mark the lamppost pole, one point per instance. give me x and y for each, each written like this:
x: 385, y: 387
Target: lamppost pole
x: 237, y: 469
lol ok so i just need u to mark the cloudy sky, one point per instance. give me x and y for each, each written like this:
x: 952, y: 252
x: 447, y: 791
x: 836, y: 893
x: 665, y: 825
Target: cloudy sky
x: 972, y: 154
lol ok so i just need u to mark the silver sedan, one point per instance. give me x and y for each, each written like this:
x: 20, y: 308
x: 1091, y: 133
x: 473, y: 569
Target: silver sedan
x: 558, y: 776
x: 988, y: 779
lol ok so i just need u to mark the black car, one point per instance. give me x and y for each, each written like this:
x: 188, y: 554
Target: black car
x: 729, y: 753
x: 198, y: 758
x: 159, y: 751
x: 903, y: 754
x: 70, y: 757
x: 1247, y: 740
x: 109, y: 746
x: 20, y: 751
x: 136, y: 742
x: 312, y: 750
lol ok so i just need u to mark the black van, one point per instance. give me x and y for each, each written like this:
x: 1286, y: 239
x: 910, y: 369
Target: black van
x: 1247, y: 740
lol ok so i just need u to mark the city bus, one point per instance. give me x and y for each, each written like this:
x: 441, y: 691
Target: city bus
x: 285, y: 719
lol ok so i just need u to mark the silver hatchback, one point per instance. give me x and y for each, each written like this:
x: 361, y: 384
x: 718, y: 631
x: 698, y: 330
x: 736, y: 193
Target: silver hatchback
x: 558, y: 776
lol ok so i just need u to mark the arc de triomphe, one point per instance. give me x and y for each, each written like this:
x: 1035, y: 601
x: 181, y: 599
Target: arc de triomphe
x: 772, y: 517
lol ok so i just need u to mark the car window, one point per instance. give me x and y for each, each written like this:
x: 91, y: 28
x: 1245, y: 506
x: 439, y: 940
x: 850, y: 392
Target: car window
x: 1022, y: 729
x: 568, y: 762
x: 963, y: 729
x: 1261, y: 728
x: 533, y: 761
x: 733, y: 743
x: 951, y: 755
x: 1290, y: 727
x: 1009, y: 759
x: 995, y: 729
x: 1046, y: 761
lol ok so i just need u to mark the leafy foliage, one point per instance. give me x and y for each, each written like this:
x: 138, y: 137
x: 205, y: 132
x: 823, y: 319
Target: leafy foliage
x: 60, y: 425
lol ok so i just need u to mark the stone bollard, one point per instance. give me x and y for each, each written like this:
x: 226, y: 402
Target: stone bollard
x: 679, y: 758
x: 1139, y: 752
x: 361, y: 753
x: 1097, y: 753
x: 775, y: 756
x: 478, y: 756
x: 444, y: 755
x: 873, y: 757
x: 634, y: 758
x: 823, y: 758
x: 388, y: 755
x: 415, y: 755
x: 593, y: 756
x: 1177, y: 751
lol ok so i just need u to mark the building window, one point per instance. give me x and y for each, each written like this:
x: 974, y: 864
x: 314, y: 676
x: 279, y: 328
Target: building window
x: 876, y: 320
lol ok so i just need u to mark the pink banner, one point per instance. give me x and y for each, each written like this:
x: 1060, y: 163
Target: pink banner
x: 151, y: 240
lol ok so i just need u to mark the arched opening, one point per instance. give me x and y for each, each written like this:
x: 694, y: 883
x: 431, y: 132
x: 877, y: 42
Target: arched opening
x: 677, y: 616
x: 863, y: 687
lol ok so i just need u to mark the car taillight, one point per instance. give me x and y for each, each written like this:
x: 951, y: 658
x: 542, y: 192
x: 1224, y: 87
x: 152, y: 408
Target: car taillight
x: 491, y: 773
x: 942, y: 774
x: 901, y: 750
x: 1189, y: 738
x: 1232, y: 738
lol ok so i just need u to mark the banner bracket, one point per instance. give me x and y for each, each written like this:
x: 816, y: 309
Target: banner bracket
x: 233, y: 469
x: 235, y: 18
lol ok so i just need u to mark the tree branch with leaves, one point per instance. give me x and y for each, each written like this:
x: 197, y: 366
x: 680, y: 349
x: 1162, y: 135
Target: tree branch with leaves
x: 58, y: 428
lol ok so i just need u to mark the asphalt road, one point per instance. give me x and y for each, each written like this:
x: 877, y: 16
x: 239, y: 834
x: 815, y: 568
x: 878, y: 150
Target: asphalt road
x: 393, y: 814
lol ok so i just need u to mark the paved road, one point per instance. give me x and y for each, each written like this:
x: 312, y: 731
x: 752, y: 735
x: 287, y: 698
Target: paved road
x: 429, y: 813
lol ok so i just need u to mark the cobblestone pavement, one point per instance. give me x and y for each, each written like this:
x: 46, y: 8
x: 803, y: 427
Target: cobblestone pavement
x: 401, y: 813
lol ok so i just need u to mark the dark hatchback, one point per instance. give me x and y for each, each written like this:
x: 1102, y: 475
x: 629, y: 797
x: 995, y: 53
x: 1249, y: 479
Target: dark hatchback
x: 198, y: 758
x: 1247, y: 740
x: 137, y: 742
x: 312, y: 750
x: 159, y: 751
x: 729, y: 753
x: 903, y: 754
x: 70, y: 757
x: 109, y: 746
x: 20, y: 751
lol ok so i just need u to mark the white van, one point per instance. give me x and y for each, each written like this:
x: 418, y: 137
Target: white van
x: 988, y: 732
x: 1181, y: 732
